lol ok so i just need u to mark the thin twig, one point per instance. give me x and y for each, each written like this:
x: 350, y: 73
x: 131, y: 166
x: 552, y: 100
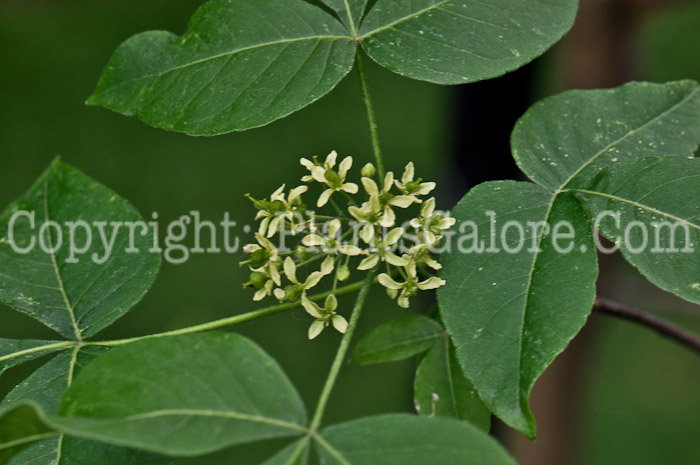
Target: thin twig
x: 664, y: 327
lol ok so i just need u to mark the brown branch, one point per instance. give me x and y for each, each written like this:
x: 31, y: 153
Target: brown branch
x: 665, y: 328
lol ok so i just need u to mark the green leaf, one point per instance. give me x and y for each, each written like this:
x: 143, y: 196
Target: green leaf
x: 241, y: 64
x: 400, y: 338
x: 348, y: 10
x: 511, y: 314
x: 14, y: 352
x: 44, y: 389
x: 459, y: 41
x: 658, y: 229
x: 183, y: 396
x: 408, y: 440
x: 297, y: 453
x: 440, y: 388
x: 75, y: 299
x: 20, y: 426
x: 566, y: 140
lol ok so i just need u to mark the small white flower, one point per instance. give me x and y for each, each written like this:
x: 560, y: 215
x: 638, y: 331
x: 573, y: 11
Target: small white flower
x: 331, y: 244
x: 431, y: 224
x: 298, y: 288
x: 324, y: 316
x: 278, y: 209
x: 412, y: 188
x: 411, y: 286
x: 382, y: 251
x: 324, y: 173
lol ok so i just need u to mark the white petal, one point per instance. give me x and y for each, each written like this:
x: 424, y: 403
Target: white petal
x: 388, y: 219
x: 393, y: 236
x: 388, y: 181
x: 296, y: 192
x: 403, y: 301
x: 350, y: 188
x: 370, y: 186
x: 315, y: 329
x: 339, y: 323
x: 260, y: 295
x: 275, y: 225
x: 431, y: 283
x: 395, y: 259
x: 403, y: 201
x: 279, y: 293
x: 263, y: 226
x: 356, y: 213
x: 425, y: 188
x: 350, y: 250
x: 306, y: 163
x: 428, y: 208
x: 373, y: 205
x: 408, y: 173
x: 432, y: 263
x: 333, y: 227
x: 325, y: 196
x: 319, y: 174
x: 330, y: 159
x: 446, y: 223
x: 367, y: 233
x: 275, y: 275
x: 290, y: 269
x: 277, y: 195
x: 328, y: 265
x: 313, y: 279
x: 313, y: 240
x: 331, y: 303
x: 344, y: 166
x: 265, y: 242
x: 369, y: 262
x: 310, y: 307
x: 386, y: 281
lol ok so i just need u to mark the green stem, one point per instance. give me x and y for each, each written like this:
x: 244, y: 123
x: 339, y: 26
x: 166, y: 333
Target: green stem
x: 342, y: 350
x: 234, y: 320
x: 371, y: 119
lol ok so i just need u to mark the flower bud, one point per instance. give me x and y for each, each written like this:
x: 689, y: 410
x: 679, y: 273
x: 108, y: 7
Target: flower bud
x: 343, y: 272
x: 256, y: 280
x: 302, y: 253
x: 368, y: 170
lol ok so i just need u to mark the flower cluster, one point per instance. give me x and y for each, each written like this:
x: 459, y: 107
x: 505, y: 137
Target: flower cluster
x: 364, y: 230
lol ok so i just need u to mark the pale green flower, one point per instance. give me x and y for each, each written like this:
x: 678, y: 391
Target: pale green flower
x: 385, y: 198
x: 265, y: 263
x: 420, y: 253
x: 298, y: 288
x: 278, y: 208
x: 324, y: 316
x: 412, y: 188
x: 324, y: 173
x: 411, y: 285
x: 330, y: 243
x: 431, y: 224
x: 370, y: 212
x: 381, y: 250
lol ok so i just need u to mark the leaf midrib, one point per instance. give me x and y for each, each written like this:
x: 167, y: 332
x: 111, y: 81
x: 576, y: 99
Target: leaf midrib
x: 226, y: 54
x: 638, y: 205
x: 76, y: 329
x: 404, y: 19
x: 625, y: 137
x: 210, y: 414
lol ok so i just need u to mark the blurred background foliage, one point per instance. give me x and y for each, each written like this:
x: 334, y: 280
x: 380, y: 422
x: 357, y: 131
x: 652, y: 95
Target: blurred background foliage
x: 620, y: 395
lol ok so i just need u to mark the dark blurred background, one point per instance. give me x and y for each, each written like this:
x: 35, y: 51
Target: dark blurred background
x: 620, y: 394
